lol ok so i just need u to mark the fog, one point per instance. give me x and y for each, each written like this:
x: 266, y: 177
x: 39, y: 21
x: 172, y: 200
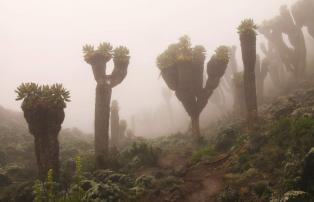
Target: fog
x: 41, y: 41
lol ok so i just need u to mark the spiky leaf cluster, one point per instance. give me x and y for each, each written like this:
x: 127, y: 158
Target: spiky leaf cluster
x: 104, y: 49
x: 181, y: 51
x: 34, y: 95
x: 247, y: 26
x: 222, y: 53
x: 121, y: 54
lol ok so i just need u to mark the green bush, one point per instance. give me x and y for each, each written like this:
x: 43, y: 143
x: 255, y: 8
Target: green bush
x: 294, y: 133
x: 228, y: 195
x: 226, y: 139
x: 199, y: 155
x: 262, y: 190
x: 139, y: 154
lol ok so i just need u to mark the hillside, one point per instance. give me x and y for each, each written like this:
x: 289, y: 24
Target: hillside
x: 230, y: 164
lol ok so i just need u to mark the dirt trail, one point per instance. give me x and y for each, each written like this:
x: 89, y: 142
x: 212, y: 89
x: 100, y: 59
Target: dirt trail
x: 202, y: 184
x: 205, y: 180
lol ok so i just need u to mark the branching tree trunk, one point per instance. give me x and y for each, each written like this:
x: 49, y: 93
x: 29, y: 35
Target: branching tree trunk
x: 274, y: 35
x: 297, y: 40
x: 182, y: 69
x: 98, y: 60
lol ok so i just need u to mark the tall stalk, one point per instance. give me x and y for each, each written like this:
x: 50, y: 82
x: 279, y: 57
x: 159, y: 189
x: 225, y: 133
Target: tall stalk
x: 247, y: 32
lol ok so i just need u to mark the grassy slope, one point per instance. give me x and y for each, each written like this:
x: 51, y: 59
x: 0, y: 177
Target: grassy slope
x: 179, y: 170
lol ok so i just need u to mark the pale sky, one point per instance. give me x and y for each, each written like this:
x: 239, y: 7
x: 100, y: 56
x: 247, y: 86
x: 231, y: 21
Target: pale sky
x: 41, y: 41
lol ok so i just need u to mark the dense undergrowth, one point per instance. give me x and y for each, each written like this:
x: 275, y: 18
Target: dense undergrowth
x: 262, y: 166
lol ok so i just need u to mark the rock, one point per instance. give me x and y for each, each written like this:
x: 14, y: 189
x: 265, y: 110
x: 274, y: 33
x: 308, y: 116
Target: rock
x: 296, y: 196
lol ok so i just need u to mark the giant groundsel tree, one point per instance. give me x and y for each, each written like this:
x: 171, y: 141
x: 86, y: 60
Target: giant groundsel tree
x: 303, y: 15
x: 43, y: 108
x: 182, y: 68
x: 247, y: 32
x: 98, y: 59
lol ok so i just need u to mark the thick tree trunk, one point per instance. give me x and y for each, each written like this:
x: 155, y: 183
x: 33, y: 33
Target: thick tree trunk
x: 239, y: 98
x: 45, y: 125
x: 300, y: 51
x: 248, y: 46
x: 196, y: 127
x: 47, y: 155
x: 114, y: 127
x: 261, y: 70
x: 102, y: 113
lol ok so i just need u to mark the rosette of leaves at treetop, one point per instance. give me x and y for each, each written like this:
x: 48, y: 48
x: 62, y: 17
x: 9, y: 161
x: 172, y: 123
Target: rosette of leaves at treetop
x: 217, y: 65
x: 121, y: 55
x: 247, y: 32
x: 247, y: 26
x: 103, y: 53
x: 180, y: 55
x: 181, y: 51
x: 45, y: 96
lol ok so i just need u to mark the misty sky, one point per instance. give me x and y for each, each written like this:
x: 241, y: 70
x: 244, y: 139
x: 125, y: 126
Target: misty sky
x: 41, y: 41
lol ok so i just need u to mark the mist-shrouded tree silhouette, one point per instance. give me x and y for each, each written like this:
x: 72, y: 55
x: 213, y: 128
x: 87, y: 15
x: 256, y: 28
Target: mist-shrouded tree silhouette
x: 43, y: 108
x: 167, y: 95
x: 295, y: 36
x: 182, y: 68
x: 238, y: 95
x: 261, y: 69
x: 98, y: 59
x: 274, y: 35
x: 293, y: 57
x: 303, y: 15
x: 247, y: 32
x: 273, y: 63
x: 114, y: 123
x: 232, y: 67
x: 122, y: 129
